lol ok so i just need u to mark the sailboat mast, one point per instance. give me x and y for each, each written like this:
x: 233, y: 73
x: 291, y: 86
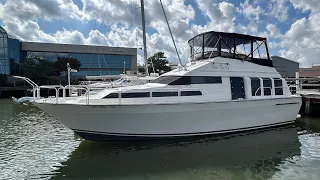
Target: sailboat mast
x: 144, y: 38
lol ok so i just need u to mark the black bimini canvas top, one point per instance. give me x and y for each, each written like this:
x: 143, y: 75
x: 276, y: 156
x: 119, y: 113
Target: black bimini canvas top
x: 211, y: 38
x: 230, y: 45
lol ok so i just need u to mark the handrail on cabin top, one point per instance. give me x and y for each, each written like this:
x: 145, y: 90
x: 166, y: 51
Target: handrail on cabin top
x: 280, y: 87
x: 87, y: 89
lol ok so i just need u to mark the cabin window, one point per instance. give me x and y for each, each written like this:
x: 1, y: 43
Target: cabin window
x: 183, y: 80
x: 190, y: 93
x: 205, y: 80
x: 164, y: 94
x: 165, y: 79
x: 267, y: 85
x: 278, y: 87
x: 135, y: 95
x: 211, y: 79
x: 187, y: 80
x: 255, y: 87
x: 128, y: 95
x: 112, y: 95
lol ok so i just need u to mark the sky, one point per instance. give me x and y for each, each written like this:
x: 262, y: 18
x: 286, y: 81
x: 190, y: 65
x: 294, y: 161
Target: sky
x: 292, y: 27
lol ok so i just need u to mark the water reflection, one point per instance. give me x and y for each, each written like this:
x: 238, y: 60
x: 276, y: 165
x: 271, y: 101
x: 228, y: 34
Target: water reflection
x: 251, y: 155
x: 32, y: 143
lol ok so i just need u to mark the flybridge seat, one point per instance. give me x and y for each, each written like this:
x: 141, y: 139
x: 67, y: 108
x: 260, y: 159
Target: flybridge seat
x: 230, y: 45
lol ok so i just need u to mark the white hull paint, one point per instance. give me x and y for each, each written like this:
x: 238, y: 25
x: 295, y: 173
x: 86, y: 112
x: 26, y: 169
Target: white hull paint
x: 174, y: 120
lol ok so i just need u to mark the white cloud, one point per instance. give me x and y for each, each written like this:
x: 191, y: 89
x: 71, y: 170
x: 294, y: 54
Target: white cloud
x: 24, y: 10
x: 221, y: 15
x: 274, y: 31
x: 272, y: 44
x: 97, y: 38
x: 279, y: 9
x: 305, y: 5
x: 302, y: 41
x: 29, y: 31
x: 110, y: 12
x: 70, y: 37
x: 251, y: 11
x: 251, y: 28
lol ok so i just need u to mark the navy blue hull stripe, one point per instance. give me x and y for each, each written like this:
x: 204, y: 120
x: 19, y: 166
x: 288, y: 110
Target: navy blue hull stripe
x: 93, y: 135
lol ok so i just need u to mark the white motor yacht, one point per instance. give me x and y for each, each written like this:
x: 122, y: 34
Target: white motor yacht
x: 230, y: 85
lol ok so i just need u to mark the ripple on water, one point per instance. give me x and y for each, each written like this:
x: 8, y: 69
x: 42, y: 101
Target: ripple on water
x: 33, y: 144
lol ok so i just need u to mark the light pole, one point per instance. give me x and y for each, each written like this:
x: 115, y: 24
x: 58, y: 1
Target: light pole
x: 69, y: 72
x: 124, y: 67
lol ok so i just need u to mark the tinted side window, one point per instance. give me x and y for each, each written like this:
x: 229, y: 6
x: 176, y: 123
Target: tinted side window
x: 164, y: 94
x: 135, y: 95
x: 266, y: 86
x: 112, y: 95
x: 191, y: 93
x: 205, y: 80
x: 255, y: 85
x: 198, y: 80
x: 165, y: 79
x: 278, y: 87
x: 184, y: 80
x: 211, y: 79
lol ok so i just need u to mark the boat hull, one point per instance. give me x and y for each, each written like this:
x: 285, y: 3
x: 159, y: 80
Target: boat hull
x: 124, y: 122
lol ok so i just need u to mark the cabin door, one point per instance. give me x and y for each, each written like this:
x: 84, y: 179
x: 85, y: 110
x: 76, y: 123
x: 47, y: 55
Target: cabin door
x: 237, y: 88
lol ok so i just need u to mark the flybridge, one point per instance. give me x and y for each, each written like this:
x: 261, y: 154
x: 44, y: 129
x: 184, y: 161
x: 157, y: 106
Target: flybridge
x: 230, y: 45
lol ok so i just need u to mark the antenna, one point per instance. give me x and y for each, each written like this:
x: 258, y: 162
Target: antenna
x: 171, y: 35
x: 144, y: 38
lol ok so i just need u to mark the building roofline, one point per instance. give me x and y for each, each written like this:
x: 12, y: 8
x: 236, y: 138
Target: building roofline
x: 285, y: 59
x: 9, y: 34
x: 84, y: 45
x: 76, y: 48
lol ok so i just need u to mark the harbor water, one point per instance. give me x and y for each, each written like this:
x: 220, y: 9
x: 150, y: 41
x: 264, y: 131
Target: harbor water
x: 34, y: 145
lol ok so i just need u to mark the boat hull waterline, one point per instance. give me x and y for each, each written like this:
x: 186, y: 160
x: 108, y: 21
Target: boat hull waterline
x: 125, y: 122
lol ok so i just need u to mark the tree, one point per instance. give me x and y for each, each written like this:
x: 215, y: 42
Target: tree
x: 37, y: 68
x: 160, y: 64
x: 61, y: 64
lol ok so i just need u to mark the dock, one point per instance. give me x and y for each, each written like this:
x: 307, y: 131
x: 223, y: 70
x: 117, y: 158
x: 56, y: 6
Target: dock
x: 309, y: 89
x: 310, y: 102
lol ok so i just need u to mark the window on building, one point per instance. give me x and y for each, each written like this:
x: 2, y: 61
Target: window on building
x: 255, y: 87
x: 267, y: 86
x: 278, y: 87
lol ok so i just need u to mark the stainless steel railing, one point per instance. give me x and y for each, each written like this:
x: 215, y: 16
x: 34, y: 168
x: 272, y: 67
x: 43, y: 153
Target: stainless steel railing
x: 37, y: 89
x: 272, y: 90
